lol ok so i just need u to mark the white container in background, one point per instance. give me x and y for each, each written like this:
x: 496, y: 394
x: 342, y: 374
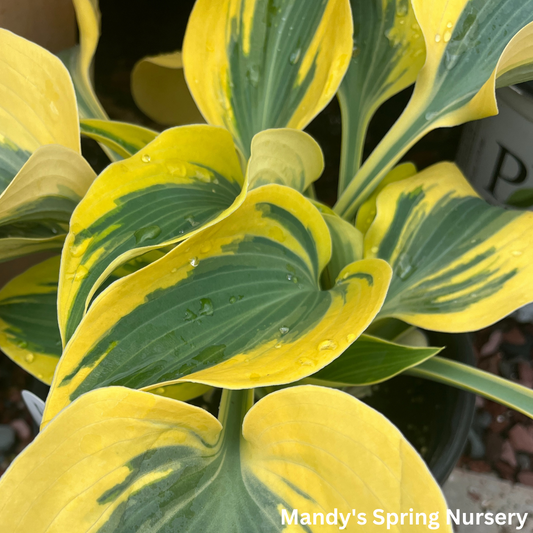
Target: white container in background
x: 496, y: 153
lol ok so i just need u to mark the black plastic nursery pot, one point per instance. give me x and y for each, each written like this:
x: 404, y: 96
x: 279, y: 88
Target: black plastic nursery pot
x: 435, y: 418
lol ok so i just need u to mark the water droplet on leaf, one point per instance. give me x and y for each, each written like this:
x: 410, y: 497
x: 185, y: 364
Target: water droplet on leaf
x: 206, y: 308
x: 284, y: 330
x: 146, y: 234
x: 328, y: 344
x: 29, y: 358
x: 194, y: 262
x: 79, y: 250
x: 438, y: 38
x: 351, y: 337
x: 206, y: 247
x: 191, y: 221
x: 254, y: 376
x: 81, y: 273
x: 203, y: 175
x: 295, y: 56
x: 146, y: 158
x: 189, y: 315
x: 232, y: 300
x: 405, y: 267
x: 402, y: 9
x: 252, y: 75
x: 177, y: 168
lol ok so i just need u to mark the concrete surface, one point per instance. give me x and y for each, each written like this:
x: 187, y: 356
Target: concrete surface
x: 471, y: 492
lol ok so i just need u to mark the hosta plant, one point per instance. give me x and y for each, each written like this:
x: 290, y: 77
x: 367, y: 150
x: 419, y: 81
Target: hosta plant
x: 200, y: 258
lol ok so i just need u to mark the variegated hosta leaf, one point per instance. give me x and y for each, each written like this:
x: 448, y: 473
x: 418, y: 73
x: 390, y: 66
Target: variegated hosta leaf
x: 186, y: 179
x: 389, y: 329
x: 236, y: 306
x: 459, y: 263
x: 371, y: 360
x: 469, y: 42
x: 159, y: 89
x: 37, y: 104
x: 285, y: 156
x: 495, y: 388
x: 516, y: 64
x: 78, y: 59
x: 29, y: 331
x: 367, y: 212
x: 123, y: 138
x: 136, y: 462
x: 347, y: 246
x: 46, y: 190
x: 388, y: 53
x: 28, y: 320
x: 42, y: 174
x: 182, y: 391
x: 37, y: 205
x: 252, y: 65
x: 27, y: 240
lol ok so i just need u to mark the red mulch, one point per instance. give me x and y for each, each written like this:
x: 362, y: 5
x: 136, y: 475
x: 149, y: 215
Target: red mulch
x: 501, y: 439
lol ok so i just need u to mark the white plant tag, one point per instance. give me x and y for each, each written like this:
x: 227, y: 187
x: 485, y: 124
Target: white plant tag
x: 35, y: 406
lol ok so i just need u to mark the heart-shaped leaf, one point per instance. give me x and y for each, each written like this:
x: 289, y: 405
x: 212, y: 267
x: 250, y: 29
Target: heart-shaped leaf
x: 184, y: 180
x: 287, y: 157
x: 238, y: 305
x: 47, y: 188
x: 29, y: 333
x: 253, y: 65
x: 459, y: 263
x: 133, y: 462
x: 159, y: 89
x: 37, y: 104
x: 42, y: 174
